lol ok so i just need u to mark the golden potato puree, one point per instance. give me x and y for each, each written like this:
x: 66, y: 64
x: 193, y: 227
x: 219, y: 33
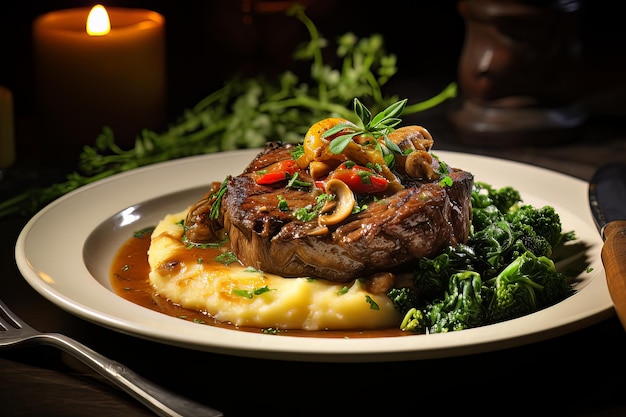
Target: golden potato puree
x: 232, y: 293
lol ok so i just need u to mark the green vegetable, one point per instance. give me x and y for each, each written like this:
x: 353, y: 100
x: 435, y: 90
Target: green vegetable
x: 504, y: 270
x: 246, y: 113
x: 528, y: 284
x: 461, y: 307
x: 414, y: 321
x: 545, y: 221
x: 504, y: 228
x: 432, y: 274
x: 403, y: 298
x: 503, y: 199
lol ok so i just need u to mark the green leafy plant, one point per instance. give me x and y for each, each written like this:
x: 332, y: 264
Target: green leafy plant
x: 246, y: 113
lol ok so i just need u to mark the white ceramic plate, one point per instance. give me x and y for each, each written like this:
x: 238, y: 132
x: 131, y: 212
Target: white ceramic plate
x: 65, y: 251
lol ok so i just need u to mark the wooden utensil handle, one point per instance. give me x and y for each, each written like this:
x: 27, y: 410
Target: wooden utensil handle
x: 614, y: 260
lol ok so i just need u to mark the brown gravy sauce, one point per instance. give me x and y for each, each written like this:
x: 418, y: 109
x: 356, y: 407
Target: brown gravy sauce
x: 129, y: 279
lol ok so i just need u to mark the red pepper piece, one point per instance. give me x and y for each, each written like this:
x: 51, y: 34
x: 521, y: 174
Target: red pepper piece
x: 360, y: 179
x: 276, y: 172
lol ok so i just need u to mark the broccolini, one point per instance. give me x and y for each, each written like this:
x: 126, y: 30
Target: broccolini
x: 502, y: 272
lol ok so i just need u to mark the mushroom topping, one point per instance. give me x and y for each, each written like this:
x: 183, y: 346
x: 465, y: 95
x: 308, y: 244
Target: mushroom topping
x: 380, y: 282
x: 412, y: 140
x: 362, y: 149
x: 340, y: 207
x: 418, y: 164
x: 412, y: 137
x: 320, y: 230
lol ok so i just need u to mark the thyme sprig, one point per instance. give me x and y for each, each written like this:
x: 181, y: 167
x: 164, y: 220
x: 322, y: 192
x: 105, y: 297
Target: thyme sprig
x: 381, y: 125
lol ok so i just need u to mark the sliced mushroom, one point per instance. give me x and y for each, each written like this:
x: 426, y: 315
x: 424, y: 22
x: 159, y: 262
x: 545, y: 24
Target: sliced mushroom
x: 380, y: 282
x: 418, y: 165
x: 410, y: 139
x: 339, y: 208
x: 320, y: 230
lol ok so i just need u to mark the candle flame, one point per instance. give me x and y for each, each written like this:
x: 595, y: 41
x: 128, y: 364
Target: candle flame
x: 98, y: 23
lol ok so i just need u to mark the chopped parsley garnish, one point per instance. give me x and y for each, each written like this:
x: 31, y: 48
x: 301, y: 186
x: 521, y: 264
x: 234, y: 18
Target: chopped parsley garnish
x: 294, y: 182
x: 445, y: 181
x: 310, y: 212
x: 251, y: 293
x: 444, y: 172
x: 372, y: 303
x: 226, y: 258
x: 282, y: 203
x: 143, y: 232
x: 206, y: 245
x: 297, y: 151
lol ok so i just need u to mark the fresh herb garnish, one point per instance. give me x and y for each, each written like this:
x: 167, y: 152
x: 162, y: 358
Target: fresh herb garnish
x: 146, y: 231
x: 296, y: 183
x: 226, y: 258
x: 207, y: 245
x: 282, y: 203
x: 251, y: 293
x: 445, y: 181
x: 381, y: 125
x: 217, y: 204
x: 372, y: 303
x: 310, y: 212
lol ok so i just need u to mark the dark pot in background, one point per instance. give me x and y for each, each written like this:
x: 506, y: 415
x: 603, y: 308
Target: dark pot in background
x: 519, y: 73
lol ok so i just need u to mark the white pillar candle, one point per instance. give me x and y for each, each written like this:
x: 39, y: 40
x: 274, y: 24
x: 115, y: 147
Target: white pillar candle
x: 85, y: 82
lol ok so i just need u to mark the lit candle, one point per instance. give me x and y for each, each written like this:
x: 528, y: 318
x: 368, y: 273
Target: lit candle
x: 89, y: 76
x: 7, y: 131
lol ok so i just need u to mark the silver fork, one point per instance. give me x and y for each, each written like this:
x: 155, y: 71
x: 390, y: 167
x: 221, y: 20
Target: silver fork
x: 15, y: 332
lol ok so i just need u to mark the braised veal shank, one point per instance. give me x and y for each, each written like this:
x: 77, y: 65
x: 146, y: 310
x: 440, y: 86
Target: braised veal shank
x: 416, y: 221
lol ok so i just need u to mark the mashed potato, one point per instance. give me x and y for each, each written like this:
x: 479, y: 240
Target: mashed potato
x: 230, y: 292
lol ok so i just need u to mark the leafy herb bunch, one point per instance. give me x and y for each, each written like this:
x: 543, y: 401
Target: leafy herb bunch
x: 246, y: 113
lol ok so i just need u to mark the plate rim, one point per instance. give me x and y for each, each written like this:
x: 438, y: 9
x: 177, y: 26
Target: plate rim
x: 225, y: 341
